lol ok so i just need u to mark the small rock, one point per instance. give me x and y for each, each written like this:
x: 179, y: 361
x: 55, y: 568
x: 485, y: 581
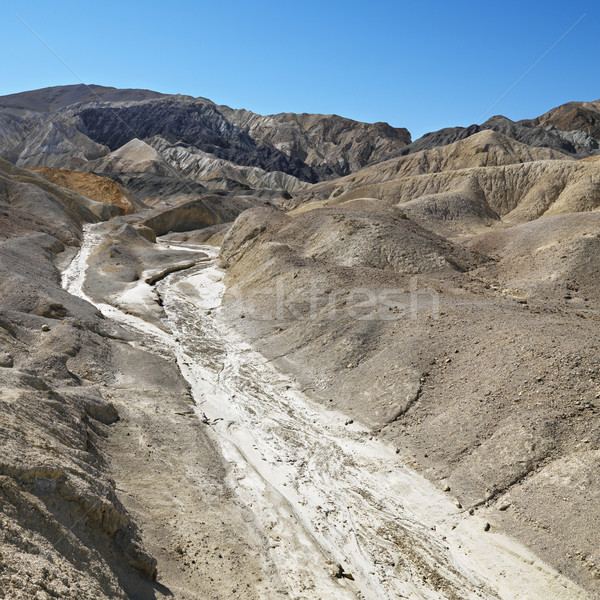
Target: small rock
x: 487, y: 527
x: 504, y: 506
x: 45, y: 327
x: 6, y: 360
x: 336, y: 570
x: 447, y: 488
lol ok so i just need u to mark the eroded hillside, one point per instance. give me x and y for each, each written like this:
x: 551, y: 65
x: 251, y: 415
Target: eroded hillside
x: 404, y: 309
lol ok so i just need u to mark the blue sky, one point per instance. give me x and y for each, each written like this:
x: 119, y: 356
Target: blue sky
x: 420, y: 65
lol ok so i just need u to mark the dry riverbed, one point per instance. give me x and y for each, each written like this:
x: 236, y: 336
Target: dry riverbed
x: 251, y: 484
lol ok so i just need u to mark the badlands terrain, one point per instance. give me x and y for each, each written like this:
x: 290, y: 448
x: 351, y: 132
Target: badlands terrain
x: 296, y: 356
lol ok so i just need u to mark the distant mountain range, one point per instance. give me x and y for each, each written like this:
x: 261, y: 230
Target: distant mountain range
x: 106, y: 130
x: 70, y: 126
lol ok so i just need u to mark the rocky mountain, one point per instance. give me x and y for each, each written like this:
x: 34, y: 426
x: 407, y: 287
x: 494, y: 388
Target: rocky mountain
x: 379, y: 379
x: 573, y: 116
x: 471, y: 183
x: 158, y: 157
x: 572, y: 139
x: 104, y: 130
x: 72, y: 126
x: 330, y: 144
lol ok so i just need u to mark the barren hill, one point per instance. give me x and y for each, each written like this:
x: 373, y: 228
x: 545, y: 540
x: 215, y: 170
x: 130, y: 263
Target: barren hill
x: 573, y: 116
x: 94, y: 117
x: 380, y: 381
x: 484, y: 180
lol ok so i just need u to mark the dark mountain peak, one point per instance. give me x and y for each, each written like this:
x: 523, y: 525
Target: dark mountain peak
x: 308, y: 146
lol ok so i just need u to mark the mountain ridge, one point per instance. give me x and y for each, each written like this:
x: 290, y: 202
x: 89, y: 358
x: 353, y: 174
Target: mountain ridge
x: 71, y: 126
x: 440, y: 295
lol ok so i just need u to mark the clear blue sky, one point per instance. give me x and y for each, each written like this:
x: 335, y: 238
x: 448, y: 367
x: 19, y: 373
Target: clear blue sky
x: 420, y: 65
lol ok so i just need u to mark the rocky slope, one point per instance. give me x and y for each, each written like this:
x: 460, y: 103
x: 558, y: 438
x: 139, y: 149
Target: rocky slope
x: 573, y: 116
x: 479, y: 366
x: 469, y: 185
x: 441, y: 297
x: 100, y: 189
x: 74, y: 388
x: 158, y: 157
x: 473, y: 351
x: 483, y: 149
x: 574, y: 138
x: 331, y: 145
x: 72, y: 125
x: 60, y: 513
